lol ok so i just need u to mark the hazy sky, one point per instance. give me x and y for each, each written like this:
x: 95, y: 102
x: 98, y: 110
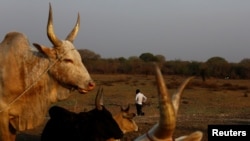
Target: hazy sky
x: 190, y: 30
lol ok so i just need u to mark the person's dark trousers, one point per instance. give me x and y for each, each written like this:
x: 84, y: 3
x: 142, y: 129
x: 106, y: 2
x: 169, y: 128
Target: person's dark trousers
x: 139, y: 109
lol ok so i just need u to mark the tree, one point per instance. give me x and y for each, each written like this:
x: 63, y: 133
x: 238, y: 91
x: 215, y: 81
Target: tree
x: 160, y: 58
x: 245, y: 62
x: 218, y: 67
x: 88, y: 54
x: 216, y: 59
x: 136, y: 64
x: 148, y: 57
x: 203, y: 71
x: 89, y: 58
x: 244, y: 68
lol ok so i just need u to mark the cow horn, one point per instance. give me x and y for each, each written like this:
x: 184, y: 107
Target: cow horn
x: 50, y: 30
x: 167, y: 121
x: 73, y: 33
x: 177, y: 96
x: 99, y: 98
x: 125, y: 109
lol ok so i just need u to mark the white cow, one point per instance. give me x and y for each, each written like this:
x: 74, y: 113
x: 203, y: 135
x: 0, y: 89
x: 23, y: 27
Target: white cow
x: 30, y: 81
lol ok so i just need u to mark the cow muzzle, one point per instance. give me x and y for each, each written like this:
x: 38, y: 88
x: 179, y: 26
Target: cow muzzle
x: 90, y: 86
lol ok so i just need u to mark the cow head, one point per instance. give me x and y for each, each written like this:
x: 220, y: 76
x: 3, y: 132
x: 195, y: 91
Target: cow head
x: 164, y: 129
x: 107, y: 127
x: 125, y: 120
x: 66, y: 63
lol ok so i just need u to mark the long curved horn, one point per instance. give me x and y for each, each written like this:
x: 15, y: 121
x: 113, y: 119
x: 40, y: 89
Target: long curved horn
x: 167, y: 121
x: 177, y: 96
x: 99, y: 98
x: 73, y: 33
x: 50, y: 30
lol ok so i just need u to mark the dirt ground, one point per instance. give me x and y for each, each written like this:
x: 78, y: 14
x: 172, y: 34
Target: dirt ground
x: 215, y: 101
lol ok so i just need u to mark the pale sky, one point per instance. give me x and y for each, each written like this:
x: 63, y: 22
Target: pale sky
x: 189, y: 30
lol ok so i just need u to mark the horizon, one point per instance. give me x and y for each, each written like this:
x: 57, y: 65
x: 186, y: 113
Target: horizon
x: 179, y: 30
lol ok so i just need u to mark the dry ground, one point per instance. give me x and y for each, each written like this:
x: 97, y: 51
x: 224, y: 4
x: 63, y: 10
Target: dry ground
x: 216, y: 101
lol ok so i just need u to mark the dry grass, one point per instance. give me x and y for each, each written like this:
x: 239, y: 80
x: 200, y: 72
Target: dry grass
x: 216, y: 101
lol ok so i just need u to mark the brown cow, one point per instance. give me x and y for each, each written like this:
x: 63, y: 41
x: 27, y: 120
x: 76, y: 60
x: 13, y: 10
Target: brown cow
x: 125, y: 120
x: 32, y: 80
x: 164, y: 129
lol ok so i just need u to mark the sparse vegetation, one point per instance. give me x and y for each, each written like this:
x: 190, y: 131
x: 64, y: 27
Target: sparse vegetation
x: 215, y: 101
x: 216, y: 67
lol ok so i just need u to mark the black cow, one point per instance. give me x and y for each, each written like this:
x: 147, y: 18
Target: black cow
x: 95, y: 125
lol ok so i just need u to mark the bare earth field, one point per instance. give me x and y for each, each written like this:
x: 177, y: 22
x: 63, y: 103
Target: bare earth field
x: 215, y: 101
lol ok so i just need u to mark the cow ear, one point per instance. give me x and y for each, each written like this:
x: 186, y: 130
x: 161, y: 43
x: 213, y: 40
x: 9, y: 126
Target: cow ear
x: 45, y: 50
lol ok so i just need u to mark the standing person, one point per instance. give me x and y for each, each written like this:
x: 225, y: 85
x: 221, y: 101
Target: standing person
x: 140, y: 98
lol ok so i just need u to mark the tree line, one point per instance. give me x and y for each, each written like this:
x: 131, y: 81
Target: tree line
x: 214, y: 67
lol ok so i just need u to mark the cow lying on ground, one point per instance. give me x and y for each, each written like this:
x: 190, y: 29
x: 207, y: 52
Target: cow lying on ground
x: 164, y: 129
x: 30, y: 81
x: 95, y: 125
x: 125, y: 120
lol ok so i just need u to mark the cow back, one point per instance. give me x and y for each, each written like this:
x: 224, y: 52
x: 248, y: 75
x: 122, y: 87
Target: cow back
x: 95, y: 125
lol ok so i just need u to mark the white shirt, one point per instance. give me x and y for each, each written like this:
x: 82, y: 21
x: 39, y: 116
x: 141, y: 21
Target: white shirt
x: 140, y: 98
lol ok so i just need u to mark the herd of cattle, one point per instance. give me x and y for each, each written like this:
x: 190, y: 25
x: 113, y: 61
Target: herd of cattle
x: 32, y: 80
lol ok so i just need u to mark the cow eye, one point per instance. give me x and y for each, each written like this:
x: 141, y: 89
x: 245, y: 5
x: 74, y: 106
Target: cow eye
x: 68, y: 60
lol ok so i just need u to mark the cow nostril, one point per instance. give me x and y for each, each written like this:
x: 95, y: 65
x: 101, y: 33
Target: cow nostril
x: 91, y: 85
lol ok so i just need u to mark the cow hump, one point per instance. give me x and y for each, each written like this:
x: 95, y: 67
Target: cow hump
x: 15, y: 41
